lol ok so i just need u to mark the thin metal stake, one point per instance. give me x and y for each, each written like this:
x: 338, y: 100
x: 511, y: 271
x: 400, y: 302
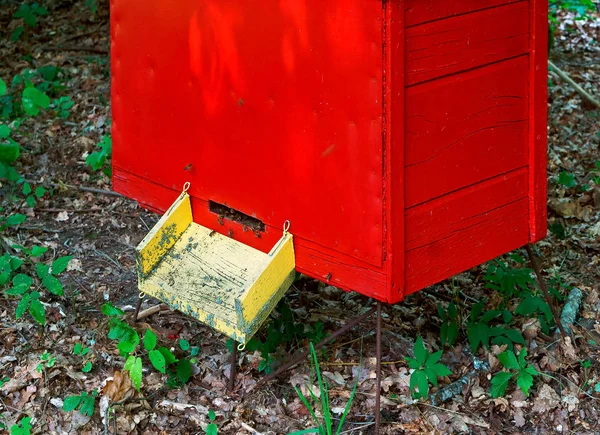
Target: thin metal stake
x: 233, y: 370
x: 538, y: 273
x: 378, y: 372
x: 137, y: 309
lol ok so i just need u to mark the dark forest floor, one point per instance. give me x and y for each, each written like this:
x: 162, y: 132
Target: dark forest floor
x: 101, y: 231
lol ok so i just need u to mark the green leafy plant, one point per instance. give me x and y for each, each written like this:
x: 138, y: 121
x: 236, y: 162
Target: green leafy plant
x: 427, y: 368
x: 84, y: 403
x: 517, y: 368
x: 450, y: 324
x: 46, y: 361
x: 98, y: 159
x: 212, y: 428
x: 62, y: 106
x: 46, y: 278
x: 535, y: 305
x: 325, y: 425
x: 509, y: 281
x: 29, y: 13
x: 161, y: 358
x: 78, y: 349
x: 23, y: 428
x: 480, y: 332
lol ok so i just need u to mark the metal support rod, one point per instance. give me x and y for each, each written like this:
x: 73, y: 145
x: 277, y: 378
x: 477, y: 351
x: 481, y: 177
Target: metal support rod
x: 137, y: 309
x: 378, y: 372
x: 303, y: 355
x: 233, y: 370
x: 540, y: 278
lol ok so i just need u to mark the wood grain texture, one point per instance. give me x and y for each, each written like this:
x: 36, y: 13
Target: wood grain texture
x: 465, y: 128
x: 466, y: 41
x: 468, y: 228
x: 421, y: 11
x: 538, y: 105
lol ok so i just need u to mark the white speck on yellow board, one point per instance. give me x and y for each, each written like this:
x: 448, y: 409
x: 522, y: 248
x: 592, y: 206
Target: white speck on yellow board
x: 219, y: 281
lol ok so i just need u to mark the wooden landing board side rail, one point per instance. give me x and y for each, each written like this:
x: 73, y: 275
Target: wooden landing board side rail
x: 465, y: 128
x: 423, y: 11
x: 268, y: 289
x: 538, y: 113
x: 464, y: 42
x: 163, y: 235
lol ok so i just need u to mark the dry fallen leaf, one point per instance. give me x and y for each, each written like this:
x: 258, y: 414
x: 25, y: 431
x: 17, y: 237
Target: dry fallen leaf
x: 63, y: 216
x: 119, y: 388
x: 546, y: 400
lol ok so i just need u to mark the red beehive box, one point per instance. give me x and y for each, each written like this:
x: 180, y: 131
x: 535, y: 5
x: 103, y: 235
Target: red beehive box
x: 405, y: 141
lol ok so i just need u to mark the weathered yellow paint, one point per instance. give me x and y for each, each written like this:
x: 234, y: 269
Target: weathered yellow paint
x: 164, y: 234
x: 215, y: 279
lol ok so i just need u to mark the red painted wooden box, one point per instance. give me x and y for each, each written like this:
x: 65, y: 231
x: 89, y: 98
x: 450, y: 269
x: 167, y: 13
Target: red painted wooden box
x: 405, y: 141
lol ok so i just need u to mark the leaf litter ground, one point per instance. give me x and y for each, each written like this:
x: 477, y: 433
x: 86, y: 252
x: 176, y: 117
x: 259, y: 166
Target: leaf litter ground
x: 101, y: 231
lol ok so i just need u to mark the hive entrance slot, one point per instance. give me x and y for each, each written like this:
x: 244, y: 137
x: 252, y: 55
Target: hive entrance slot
x: 237, y: 216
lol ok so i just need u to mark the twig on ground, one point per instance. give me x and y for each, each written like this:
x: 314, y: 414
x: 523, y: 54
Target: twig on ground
x: 82, y: 188
x: 250, y: 429
x: 563, y: 75
x: 152, y: 310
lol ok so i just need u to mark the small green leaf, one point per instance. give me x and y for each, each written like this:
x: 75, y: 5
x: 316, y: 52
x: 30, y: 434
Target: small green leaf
x: 60, y: 264
x: 566, y: 179
x: 149, y: 340
x: 129, y: 363
x: 111, y: 311
x: 184, y: 344
x: 499, y: 383
x: 422, y: 384
x: 71, y: 403
x: 4, y: 131
x: 87, y: 403
x: 17, y: 290
x: 23, y: 305
x: 509, y: 360
x: 158, y: 360
x: 40, y: 191
x: 53, y: 285
x: 77, y: 348
x: 37, y: 311
x: 15, y: 219
x: 87, y: 367
x: 211, y: 415
x: 135, y: 373
x: 212, y: 429
x: 42, y: 270
x: 515, y: 336
x: 2, y: 87
x: 524, y: 382
x: 30, y: 200
x: 167, y: 355
x: 26, y: 188
x: 22, y: 279
x: 184, y: 370
x: 441, y: 370
x: 421, y: 353
x: 33, y: 100
x: 37, y: 251
x: 433, y: 358
x: 9, y: 153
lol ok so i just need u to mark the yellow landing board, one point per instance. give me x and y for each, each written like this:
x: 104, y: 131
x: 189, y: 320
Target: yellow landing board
x: 218, y: 280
